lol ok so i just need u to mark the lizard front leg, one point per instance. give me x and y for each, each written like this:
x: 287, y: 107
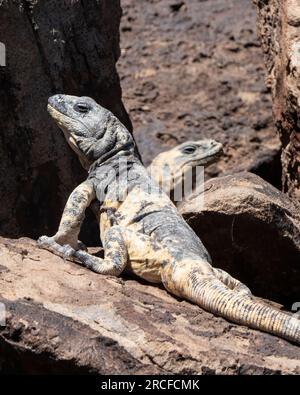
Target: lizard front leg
x: 66, y: 238
x: 115, y: 254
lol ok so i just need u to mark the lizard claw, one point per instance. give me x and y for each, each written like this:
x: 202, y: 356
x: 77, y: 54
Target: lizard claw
x: 68, y: 251
x: 81, y: 246
x: 45, y: 241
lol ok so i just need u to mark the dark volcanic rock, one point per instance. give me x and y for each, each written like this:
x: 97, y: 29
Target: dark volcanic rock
x: 279, y: 29
x: 194, y: 69
x: 252, y: 231
x: 40, y: 341
x: 62, y: 318
x: 52, y: 47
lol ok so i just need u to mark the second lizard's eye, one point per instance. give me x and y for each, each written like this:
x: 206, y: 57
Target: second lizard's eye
x: 82, y: 107
x: 189, y: 149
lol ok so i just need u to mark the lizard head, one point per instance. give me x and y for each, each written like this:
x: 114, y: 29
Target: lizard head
x: 201, y: 153
x: 189, y: 154
x: 170, y: 168
x: 92, y: 131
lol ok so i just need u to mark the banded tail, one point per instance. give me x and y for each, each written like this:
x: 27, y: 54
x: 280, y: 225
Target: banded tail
x: 211, y: 294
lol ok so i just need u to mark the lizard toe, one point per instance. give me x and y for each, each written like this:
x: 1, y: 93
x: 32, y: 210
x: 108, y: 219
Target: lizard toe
x: 68, y: 251
x: 44, y: 241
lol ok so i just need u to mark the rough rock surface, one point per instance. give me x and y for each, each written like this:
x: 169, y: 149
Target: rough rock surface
x: 279, y: 28
x: 52, y: 47
x: 252, y: 231
x: 194, y: 69
x: 62, y: 318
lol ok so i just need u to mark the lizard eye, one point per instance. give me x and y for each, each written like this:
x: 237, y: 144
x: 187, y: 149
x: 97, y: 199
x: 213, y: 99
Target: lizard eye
x: 189, y: 149
x: 82, y: 107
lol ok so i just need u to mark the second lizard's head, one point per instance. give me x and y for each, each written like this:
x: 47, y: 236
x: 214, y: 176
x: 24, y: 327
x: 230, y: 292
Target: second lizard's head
x: 92, y: 131
x: 190, y: 154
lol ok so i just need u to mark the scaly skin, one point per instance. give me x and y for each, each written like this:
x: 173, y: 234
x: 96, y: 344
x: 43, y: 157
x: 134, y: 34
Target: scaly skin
x: 174, y: 169
x: 141, y: 229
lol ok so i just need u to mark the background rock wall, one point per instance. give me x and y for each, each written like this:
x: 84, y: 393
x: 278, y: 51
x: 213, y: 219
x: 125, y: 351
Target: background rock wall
x: 279, y: 29
x: 52, y: 47
x: 188, y: 70
x: 194, y: 69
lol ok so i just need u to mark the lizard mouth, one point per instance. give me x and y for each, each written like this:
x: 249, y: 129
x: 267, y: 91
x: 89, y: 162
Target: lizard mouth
x: 58, y: 103
x: 65, y: 124
x: 55, y: 113
x: 216, y: 153
x: 61, y: 119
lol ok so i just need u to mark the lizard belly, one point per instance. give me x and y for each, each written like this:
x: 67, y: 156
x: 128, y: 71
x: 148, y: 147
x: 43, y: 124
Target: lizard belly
x: 147, y: 269
x: 144, y: 260
x: 144, y: 256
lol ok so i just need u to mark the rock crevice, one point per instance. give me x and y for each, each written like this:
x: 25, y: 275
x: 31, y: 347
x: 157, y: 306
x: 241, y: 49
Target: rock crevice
x: 279, y: 30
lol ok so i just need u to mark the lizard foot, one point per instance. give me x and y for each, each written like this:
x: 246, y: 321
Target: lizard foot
x: 45, y: 241
x: 66, y: 251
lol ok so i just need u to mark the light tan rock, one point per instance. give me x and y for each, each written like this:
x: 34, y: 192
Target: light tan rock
x: 62, y: 318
